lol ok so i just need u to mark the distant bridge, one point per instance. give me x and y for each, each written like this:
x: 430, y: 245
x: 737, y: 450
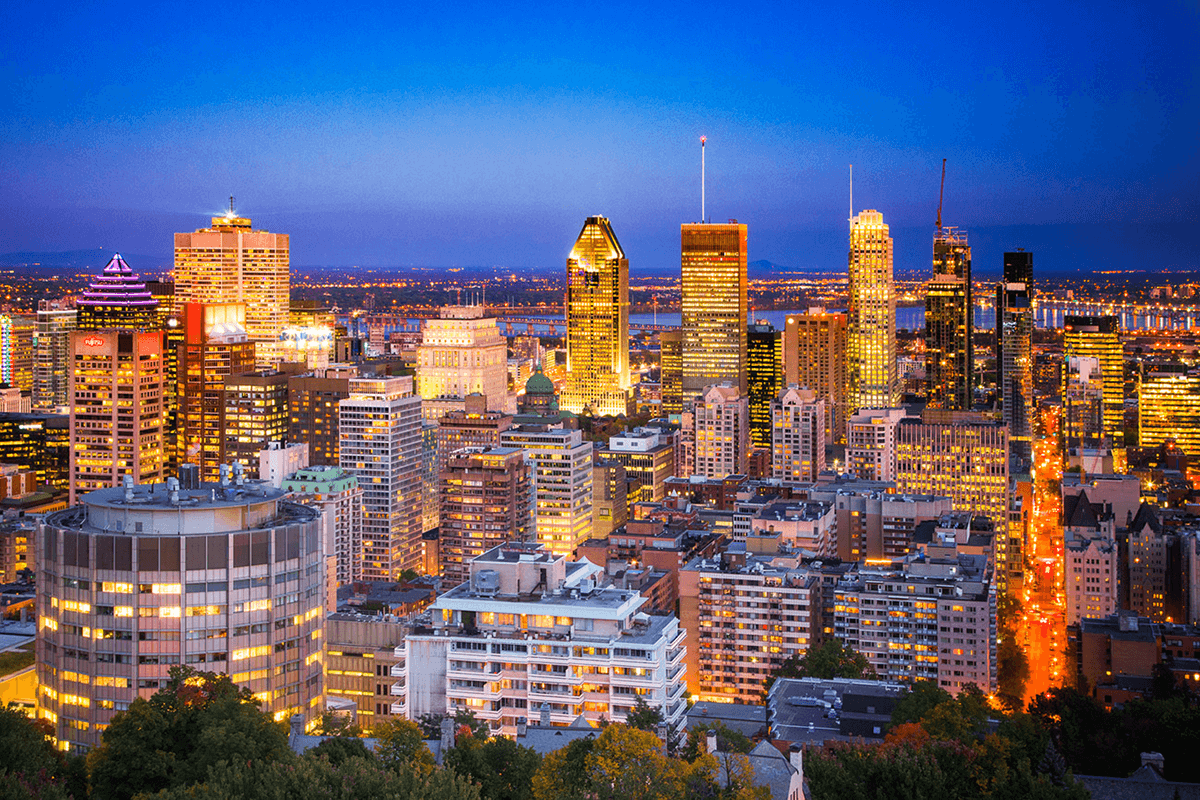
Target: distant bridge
x: 1050, y: 312
x: 509, y: 325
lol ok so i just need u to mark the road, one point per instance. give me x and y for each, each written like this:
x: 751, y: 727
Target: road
x: 1043, y: 624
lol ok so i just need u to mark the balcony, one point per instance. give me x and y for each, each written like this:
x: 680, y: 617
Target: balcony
x: 399, y: 709
x: 399, y: 689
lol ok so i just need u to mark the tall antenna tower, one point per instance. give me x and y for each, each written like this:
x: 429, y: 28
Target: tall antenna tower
x: 703, y: 139
x: 941, y: 194
x: 851, y: 195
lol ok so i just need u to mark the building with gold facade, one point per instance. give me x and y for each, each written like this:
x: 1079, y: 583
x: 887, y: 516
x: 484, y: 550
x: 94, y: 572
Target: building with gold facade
x: 714, y: 305
x: 597, y: 324
x: 814, y: 357
x: 871, y: 315
x: 1169, y: 407
x: 230, y: 262
x: 1100, y: 338
x: 461, y: 353
x: 117, y: 408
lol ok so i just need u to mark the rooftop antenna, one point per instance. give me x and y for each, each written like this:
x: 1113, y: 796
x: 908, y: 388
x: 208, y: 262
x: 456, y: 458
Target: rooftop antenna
x: 851, y: 195
x: 941, y: 193
x: 703, y: 139
x: 231, y: 205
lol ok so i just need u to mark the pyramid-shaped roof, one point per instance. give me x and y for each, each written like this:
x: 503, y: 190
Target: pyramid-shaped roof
x: 117, y: 286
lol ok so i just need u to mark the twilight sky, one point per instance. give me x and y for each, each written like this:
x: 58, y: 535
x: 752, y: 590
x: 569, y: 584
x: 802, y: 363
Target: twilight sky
x: 484, y: 133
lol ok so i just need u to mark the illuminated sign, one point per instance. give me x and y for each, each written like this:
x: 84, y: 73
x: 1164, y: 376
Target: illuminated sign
x: 93, y: 341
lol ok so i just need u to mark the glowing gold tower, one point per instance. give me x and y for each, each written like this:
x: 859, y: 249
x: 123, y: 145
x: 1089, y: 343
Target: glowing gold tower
x: 232, y: 263
x: 597, y: 323
x: 871, y: 357
x: 714, y: 305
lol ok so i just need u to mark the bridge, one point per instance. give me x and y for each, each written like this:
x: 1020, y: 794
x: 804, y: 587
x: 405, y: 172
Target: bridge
x: 509, y: 325
x: 1050, y: 312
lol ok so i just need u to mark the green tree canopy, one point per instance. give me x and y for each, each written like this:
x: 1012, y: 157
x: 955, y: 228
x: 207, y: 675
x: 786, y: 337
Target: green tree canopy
x: 501, y: 768
x: 830, y: 660
x: 402, y: 746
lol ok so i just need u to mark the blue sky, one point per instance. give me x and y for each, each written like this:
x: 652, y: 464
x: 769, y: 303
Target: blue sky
x: 484, y: 134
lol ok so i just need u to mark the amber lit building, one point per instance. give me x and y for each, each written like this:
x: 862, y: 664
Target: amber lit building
x: 16, y: 351
x: 721, y: 416
x: 230, y: 262
x: 671, y: 373
x: 214, y: 348
x: 714, y: 305
x: 947, y: 366
x: 52, y: 355
x: 1100, y: 338
x: 484, y: 501
x: 797, y: 435
x: 814, y: 357
x: 871, y: 318
x: 254, y: 413
x: 117, y: 410
x: 461, y: 353
x: 474, y: 426
x: 597, y: 323
x: 38, y: 442
x: 313, y: 415
x: 1169, y: 407
x: 764, y: 369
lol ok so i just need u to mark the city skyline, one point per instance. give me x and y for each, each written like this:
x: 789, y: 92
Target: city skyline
x: 461, y: 147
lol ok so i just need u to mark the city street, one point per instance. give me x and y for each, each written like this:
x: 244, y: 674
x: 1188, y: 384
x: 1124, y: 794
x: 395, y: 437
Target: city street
x: 1043, y: 622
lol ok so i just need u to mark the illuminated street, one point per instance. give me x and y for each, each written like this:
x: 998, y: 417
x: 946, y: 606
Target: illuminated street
x: 1045, y: 632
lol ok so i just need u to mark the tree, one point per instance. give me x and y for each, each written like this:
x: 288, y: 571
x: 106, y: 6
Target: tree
x: 1012, y: 673
x: 920, y: 699
x: 628, y: 763
x: 29, y: 764
x: 831, y: 660
x: 402, y: 746
x: 728, y: 741
x: 198, y: 720
x: 563, y: 773
x: 340, y: 749
x: 503, y: 769
x: 643, y: 717
x: 431, y: 724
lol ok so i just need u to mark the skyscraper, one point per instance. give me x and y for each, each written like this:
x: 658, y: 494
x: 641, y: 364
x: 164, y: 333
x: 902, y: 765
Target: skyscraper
x: 230, y: 262
x: 597, y: 323
x: 1014, y: 350
x: 798, y: 435
x: 1169, y: 407
x: 461, y: 353
x: 721, y: 420
x: 714, y: 305
x: 381, y: 444
x: 764, y: 347
x: 671, y: 371
x: 51, y: 354
x: 814, y: 357
x: 949, y: 325
x: 1100, y: 338
x: 484, y: 498
x: 254, y: 413
x: 871, y: 357
x: 214, y: 347
x: 117, y: 299
x: 117, y: 409
x: 561, y: 481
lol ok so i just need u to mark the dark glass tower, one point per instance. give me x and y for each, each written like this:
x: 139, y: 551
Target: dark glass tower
x: 764, y: 347
x: 949, y: 324
x: 1014, y: 351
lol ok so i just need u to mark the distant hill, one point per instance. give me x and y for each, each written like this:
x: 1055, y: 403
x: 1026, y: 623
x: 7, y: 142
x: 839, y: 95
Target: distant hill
x: 83, y: 259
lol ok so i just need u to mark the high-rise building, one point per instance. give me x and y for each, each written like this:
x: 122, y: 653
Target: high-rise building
x: 117, y: 412
x: 871, y: 444
x: 949, y: 325
x: 1083, y: 405
x: 561, y: 462
x: 214, y: 348
x: 764, y: 371
x: 1014, y: 351
x: 597, y: 323
x: 339, y: 497
x: 430, y: 513
x: 814, y: 357
x: 871, y: 316
x: 671, y: 371
x: 721, y: 420
x: 381, y: 445
x: 797, y: 435
x: 474, y: 426
x: 714, y: 305
x: 648, y: 456
x: 610, y: 498
x: 230, y: 262
x: 484, y: 496
x: 254, y: 413
x: 313, y: 415
x: 117, y: 299
x: 16, y: 365
x: 38, y: 442
x: 553, y: 621
x: 52, y: 355
x: 461, y: 353
x: 137, y: 581
x: 1100, y: 338
x: 1169, y: 407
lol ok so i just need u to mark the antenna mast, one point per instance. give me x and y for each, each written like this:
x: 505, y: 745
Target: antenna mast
x: 941, y: 193
x: 703, y: 139
x: 851, y: 195
x: 231, y: 205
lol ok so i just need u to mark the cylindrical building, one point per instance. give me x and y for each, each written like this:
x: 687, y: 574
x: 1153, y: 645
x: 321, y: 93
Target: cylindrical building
x: 135, y: 580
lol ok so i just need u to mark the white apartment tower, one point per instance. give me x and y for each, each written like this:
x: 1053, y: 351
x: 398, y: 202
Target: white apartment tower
x: 380, y: 443
x: 721, y: 419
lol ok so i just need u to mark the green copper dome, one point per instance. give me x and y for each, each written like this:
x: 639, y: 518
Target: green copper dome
x: 538, y: 383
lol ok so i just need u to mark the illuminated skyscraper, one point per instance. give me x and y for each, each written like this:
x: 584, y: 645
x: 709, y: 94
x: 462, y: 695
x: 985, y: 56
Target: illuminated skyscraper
x: 1014, y: 350
x: 461, y: 353
x: 484, y: 496
x: 16, y: 362
x: 381, y: 444
x: 214, y: 347
x: 1169, y: 407
x: 561, y: 478
x: 949, y: 324
x: 798, y: 435
x: 764, y: 347
x: 814, y: 357
x: 714, y: 305
x: 254, y: 413
x: 597, y: 323
x: 721, y: 420
x: 871, y: 358
x: 117, y: 411
x: 671, y: 372
x: 117, y: 299
x: 52, y: 355
x: 230, y: 262
x: 1100, y: 338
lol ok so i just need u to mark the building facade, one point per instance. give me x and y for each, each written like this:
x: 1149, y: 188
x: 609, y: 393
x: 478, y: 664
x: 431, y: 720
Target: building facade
x: 721, y: 419
x: 871, y: 315
x: 461, y: 353
x: 764, y: 371
x: 949, y: 325
x: 117, y: 299
x: 561, y: 463
x: 814, y: 357
x: 714, y: 305
x: 254, y: 413
x: 1169, y: 407
x: 484, y: 500
x: 797, y: 436
x: 597, y: 323
x: 339, y: 497
x: 1100, y: 338
x: 52, y: 355
x: 139, y: 579
x: 1014, y: 351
